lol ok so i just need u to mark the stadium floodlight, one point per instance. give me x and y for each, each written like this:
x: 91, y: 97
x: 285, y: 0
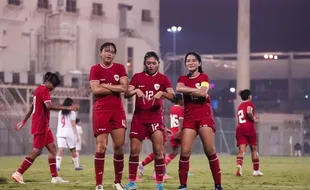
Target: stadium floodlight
x: 174, y: 29
x: 232, y: 90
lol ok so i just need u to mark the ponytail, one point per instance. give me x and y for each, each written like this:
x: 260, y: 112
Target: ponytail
x: 200, y: 69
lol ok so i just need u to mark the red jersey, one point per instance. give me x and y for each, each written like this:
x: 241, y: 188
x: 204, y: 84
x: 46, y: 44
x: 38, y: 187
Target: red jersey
x: 110, y: 75
x: 40, y: 114
x: 196, y: 108
x: 245, y: 124
x: 176, y: 113
x: 149, y: 85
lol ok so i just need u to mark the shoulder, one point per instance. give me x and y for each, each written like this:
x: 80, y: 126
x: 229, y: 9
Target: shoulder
x: 96, y: 66
x: 118, y: 65
x: 203, y: 76
x: 183, y: 77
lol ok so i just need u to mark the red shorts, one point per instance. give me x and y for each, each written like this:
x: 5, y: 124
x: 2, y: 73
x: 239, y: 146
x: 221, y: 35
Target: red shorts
x: 197, y: 124
x: 246, y: 139
x: 43, y: 139
x: 175, y: 142
x: 105, y: 121
x: 143, y: 131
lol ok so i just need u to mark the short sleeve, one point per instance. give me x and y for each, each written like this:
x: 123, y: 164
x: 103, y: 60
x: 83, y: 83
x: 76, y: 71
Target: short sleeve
x: 181, y: 79
x: 205, y: 78
x: 134, y: 81
x: 122, y: 71
x: 73, y: 115
x: 93, y: 74
x: 46, y: 97
x: 167, y: 83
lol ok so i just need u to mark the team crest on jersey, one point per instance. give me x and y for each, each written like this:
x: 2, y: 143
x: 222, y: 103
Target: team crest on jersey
x: 156, y: 86
x: 197, y: 85
x: 116, y: 77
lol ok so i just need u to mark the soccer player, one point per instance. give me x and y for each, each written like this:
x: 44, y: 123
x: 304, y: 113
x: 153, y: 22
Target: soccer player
x: 198, y: 119
x: 67, y: 135
x: 80, y: 137
x: 176, y: 122
x: 42, y: 134
x: 246, y: 132
x: 150, y: 87
x: 107, y: 81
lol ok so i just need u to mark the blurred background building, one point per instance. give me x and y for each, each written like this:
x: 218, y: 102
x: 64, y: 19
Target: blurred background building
x: 37, y: 36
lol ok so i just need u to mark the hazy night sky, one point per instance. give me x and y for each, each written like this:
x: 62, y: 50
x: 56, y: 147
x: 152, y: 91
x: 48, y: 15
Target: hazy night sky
x: 210, y: 26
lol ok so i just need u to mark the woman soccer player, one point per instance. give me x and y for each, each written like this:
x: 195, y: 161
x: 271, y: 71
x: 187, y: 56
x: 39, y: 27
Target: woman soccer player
x: 67, y: 135
x: 198, y: 119
x: 150, y: 87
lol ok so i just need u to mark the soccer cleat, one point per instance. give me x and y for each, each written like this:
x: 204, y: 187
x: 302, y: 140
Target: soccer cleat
x: 131, y: 186
x: 190, y: 174
x: 140, y: 169
x: 182, y: 187
x: 58, y: 169
x: 79, y: 168
x: 218, y: 187
x: 99, y: 187
x: 166, y: 177
x: 159, y: 186
x: 239, y: 170
x: 58, y: 180
x: 118, y: 186
x: 18, y: 178
x: 257, y: 173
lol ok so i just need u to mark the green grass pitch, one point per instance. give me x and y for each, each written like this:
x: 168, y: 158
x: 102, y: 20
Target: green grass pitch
x: 280, y: 173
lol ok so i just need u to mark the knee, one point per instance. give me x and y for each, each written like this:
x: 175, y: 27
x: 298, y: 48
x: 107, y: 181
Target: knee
x: 253, y: 148
x: 210, y: 150
x: 118, y: 149
x: 186, y: 152
x: 158, y: 152
x: 134, y: 151
x: 101, y: 147
x: 37, y: 152
x: 176, y: 152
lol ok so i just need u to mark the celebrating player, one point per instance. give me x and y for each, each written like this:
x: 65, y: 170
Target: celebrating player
x: 107, y: 81
x: 150, y: 87
x: 67, y: 135
x: 80, y: 136
x: 198, y: 119
x: 43, y: 136
x: 246, y: 132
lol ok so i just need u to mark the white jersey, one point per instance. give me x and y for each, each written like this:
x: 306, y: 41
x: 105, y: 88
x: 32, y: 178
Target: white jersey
x: 64, y: 127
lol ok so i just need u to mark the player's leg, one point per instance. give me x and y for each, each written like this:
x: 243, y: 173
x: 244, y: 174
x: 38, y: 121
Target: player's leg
x: 62, y: 144
x: 118, y: 137
x: 71, y: 142
x: 145, y: 162
x: 38, y: 145
x: 207, y: 137
x: 137, y: 135
x: 157, y: 138
x: 175, y: 144
x: 188, y: 138
x: 240, y: 156
x: 252, y: 141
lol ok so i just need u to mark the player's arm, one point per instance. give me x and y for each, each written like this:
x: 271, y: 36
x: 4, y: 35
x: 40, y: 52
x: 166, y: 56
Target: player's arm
x: 199, y: 92
x: 21, y: 124
x: 202, y: 91
x: 131, y: 91
x: 250, y: 114
x: 50, y: 106
x: 169, y: 94
x: 122, y: 87
x: 75, y: 130
x: 180, y: 127
x: 98, y: 89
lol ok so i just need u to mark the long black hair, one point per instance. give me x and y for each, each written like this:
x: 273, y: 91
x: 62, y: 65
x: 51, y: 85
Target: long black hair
x: 198, y: 57
x: 53, y: 78
x: 67, y: 102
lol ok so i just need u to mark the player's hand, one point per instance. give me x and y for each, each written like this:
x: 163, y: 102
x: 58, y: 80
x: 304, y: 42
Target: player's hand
x: 140, y: 94
x: 157, y: 96
x: 255, y: 118
x: 19, y: 125
x: 169, y: 132
x: 74, y: 108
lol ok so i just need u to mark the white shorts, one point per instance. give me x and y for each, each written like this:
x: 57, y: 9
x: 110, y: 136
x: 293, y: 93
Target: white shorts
x: 78, y: 146
x: 66, y: 142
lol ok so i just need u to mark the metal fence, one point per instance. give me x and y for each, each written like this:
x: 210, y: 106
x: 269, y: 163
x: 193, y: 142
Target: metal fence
x: 19, y: 143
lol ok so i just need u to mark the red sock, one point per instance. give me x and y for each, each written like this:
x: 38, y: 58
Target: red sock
x: 255, y: 164
x: 159, y: 169
x: 99, y: 167
x: 25, y: 165
x: 183, y: 169
x: 170, y: 157
x: 215, y: 168
x: 133, y: 167
x: 148, y: 159
x: 118, y: 167
x: 239, y: 160
x: 53, y: 170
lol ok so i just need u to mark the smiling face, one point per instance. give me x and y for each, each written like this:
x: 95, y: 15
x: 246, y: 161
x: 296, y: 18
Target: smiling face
x: 192, y: 63
x: 107, y: 54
